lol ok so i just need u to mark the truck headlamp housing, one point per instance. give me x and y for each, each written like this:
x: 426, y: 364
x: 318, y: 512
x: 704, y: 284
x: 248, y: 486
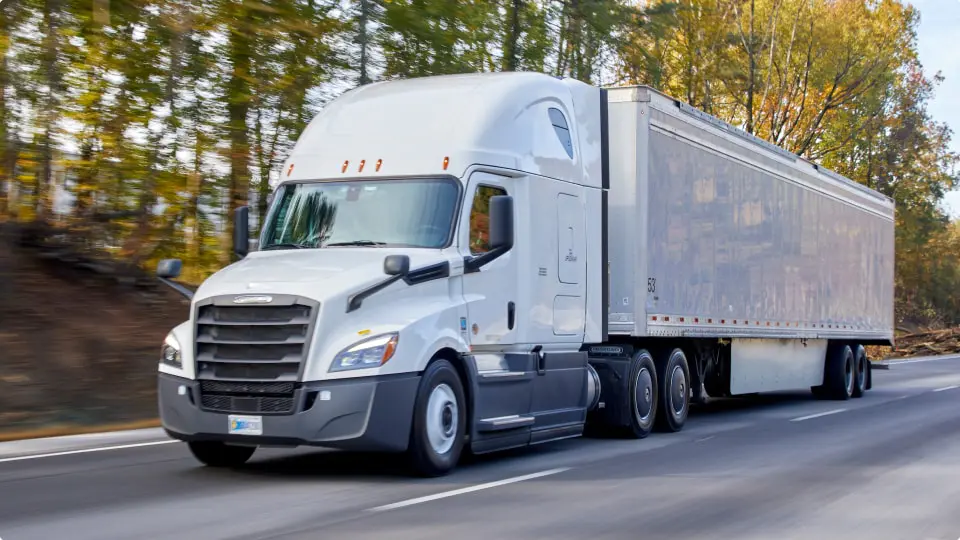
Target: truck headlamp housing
x: 370, y: 353
x: 170, y: 352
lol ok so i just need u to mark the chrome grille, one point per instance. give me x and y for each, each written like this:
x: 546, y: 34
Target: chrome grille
x: 249, y: 358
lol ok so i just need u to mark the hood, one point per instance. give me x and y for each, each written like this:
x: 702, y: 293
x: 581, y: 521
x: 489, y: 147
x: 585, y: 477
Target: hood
x: 314, y: 273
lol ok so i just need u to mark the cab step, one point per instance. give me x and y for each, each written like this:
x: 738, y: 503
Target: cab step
x: 503, y: 423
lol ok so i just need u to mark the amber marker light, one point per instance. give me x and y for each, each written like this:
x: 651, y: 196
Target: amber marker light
x: 446, y: 162
x: 379, y: 163
x: 362, y: 163
x: 346, y: 164
x: 290, y: 169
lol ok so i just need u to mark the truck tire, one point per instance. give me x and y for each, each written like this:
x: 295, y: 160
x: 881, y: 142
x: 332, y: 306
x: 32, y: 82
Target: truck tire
x: 860, y: 372
x: 673, y: 378
x: 642, y: 397
x: 439, y: 422
x: 839, y: 373
x: 218, y: 454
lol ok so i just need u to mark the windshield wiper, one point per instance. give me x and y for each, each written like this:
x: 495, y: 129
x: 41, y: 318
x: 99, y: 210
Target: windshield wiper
x: 357, y: 243
x: 287, y: 246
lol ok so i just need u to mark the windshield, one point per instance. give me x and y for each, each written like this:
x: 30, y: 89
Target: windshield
x: 389, y: 213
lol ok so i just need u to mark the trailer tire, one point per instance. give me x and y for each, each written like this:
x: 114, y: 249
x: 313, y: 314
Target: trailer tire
x: 220, y: 455
x: 839, y: 375
x: 861, y: 371
x: 673, y: 378
x: 439, y: 422
x: 643, y: 395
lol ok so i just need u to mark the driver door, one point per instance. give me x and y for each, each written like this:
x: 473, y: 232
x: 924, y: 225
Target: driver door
x: 491, y: 292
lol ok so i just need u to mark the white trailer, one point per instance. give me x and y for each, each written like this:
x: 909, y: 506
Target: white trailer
x: 492, y: 261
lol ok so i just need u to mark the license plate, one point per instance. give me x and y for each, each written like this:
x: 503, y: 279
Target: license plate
x: 246, y: 425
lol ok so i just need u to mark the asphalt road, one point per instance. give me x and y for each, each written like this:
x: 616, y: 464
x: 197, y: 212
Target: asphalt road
x: 773, y: 467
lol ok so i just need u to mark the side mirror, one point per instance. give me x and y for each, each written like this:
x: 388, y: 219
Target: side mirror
x: 396, y: 265
x: 241, y: 231
x: 169, y: 268
x: 501, y: 222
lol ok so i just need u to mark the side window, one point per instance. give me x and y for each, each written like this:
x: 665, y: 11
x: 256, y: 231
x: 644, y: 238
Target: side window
x: 480, y: 218
x: 562, y: 129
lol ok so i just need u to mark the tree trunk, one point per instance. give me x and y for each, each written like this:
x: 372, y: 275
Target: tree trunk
x: 510, y: 46
x: 6, y: 175
x: 238, y: 94
x: 363, y: 39
x: 752, y: 53
x: 48, y: 117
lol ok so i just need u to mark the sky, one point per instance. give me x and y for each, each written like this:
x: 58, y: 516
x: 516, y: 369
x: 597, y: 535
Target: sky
x: 937, y: 43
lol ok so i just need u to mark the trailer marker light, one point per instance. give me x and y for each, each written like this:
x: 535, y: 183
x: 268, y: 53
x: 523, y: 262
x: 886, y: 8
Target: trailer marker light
x: 346, y: 163
x: 290, y: 169
x: 379, y: 163
x: 446, y: 162
x: 362, y: 163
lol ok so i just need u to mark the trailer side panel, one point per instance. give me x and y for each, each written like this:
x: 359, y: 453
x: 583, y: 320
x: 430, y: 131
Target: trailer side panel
x: 743, y: 240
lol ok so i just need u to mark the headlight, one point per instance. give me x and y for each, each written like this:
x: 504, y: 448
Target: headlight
x: 170, y: 352
x: 369, y: 353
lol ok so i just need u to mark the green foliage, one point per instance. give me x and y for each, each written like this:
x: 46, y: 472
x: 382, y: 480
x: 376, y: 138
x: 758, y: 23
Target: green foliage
x: 168, y: 114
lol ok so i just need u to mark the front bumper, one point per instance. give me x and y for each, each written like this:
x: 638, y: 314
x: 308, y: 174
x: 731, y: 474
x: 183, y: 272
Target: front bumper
x: 364, y: 414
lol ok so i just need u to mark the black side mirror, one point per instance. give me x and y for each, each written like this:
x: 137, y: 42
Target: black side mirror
x: 396, y: 265
x: 169, y: 268
x: 241, y: 231
x: 501, y: 222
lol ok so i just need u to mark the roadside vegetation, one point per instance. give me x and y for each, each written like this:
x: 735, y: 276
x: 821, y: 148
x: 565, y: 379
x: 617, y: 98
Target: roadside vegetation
x: 131, y: 129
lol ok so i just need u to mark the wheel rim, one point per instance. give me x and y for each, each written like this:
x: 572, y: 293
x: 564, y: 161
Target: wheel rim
x: 643, y: 392
x: 678, y: 387
x: 443, y: 417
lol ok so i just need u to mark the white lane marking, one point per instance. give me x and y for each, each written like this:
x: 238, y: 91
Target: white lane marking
x: 445, y: 494
x: 945, y: 388
x: 893, y: 362
x: 85, y: 451
x: 818, y: 415
x: 706, y: 438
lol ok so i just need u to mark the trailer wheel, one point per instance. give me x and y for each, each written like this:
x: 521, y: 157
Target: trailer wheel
x: 673, y: 376
x: 840, y: 373
x: 218, y: 454
x: 439, y: 423
x: 861, y: 371
x: 643, y: 395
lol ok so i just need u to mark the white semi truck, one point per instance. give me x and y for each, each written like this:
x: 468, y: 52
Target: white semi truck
x: 482, y: 262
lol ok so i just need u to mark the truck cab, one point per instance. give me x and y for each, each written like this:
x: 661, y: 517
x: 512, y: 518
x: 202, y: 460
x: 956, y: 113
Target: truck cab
x: 424, y: 281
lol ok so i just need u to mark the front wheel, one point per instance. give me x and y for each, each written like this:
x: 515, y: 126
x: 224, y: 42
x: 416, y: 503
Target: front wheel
x: 218, y: 454
x: 439, y: 423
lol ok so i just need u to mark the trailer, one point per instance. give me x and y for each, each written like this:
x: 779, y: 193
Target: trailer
x: 491, y: 261
x: 756, y: 270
